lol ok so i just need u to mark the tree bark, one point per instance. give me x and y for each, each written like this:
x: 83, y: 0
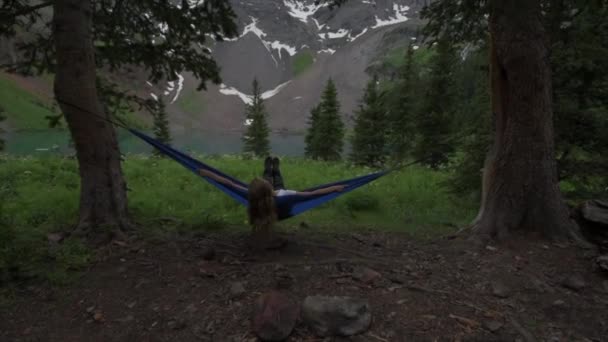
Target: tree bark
x: 103, y: 200
x: 520, y: 185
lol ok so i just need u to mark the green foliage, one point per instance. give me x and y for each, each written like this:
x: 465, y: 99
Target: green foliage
x: 313, y: 144
x: 369, y: 139
x: 363, y: 202
x: 578, y: 34
x: 255, y: 139
x: 580, y: 84
x: 302, y: 61
x: 325, y: 137
x: 2, y: 118
x: 474, y: 118
x: 402, y: 108
x: 435, y: 119
x: 161, y: 125
x: 36, y: 197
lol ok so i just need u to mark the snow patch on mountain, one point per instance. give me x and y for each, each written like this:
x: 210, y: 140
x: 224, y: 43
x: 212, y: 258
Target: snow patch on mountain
x: 351, y: 38
x: 330, y: 51
x: 248, y: 99
x: 180, y: 86
x: 301, y: 11
x: 399, y: 17
x: 274, y: 45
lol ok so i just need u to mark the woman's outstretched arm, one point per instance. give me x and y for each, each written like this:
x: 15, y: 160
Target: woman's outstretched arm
x: 330, y: 189
x: 220, y: 179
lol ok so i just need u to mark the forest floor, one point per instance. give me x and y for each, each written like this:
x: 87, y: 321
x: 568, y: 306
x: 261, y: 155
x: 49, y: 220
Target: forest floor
x: 418, y: 290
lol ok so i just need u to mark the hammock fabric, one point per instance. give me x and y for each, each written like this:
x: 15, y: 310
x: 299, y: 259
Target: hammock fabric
x: 287, y: 206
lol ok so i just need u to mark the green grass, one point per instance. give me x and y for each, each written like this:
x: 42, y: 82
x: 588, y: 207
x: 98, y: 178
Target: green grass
x: 191, y: 102
x: 396, y: 57
x: 302, y: 61
x: 23, y: 110
x: 40, y: 196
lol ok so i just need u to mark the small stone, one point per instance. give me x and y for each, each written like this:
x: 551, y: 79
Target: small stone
x: 602, y: 262
x: 559, y: 302
x: 391, y: 315
x: 90, y: 309
x: 177, y: 324
x: 500, y: 290
x: 493, y: 326
x: 274, y: 316
x: 574, y: 282
x: 131, y: 305
x: 98, y: 317
x: 55, y: 237
x: 366, y: 275
x: 401, y: 301
x: 127, y: 319
x: 336, y: 316
x: 237, y: 289
x: 490, y: 248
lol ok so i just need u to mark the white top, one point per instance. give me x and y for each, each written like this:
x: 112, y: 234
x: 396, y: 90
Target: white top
x: 285, y: 192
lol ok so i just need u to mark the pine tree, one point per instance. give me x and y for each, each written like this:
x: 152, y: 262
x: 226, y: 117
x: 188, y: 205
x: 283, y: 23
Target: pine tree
x: 369, y: 139
x: 255, y: 140
x: 435, y: 119
x: 330, y: 130
x: 161, y: 125
x: 402, y: 114
x: 312, y: 135
x: 2, y: 118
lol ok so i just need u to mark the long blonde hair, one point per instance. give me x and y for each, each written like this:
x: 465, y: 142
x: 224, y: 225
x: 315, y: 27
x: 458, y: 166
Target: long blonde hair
x: 262, y: 211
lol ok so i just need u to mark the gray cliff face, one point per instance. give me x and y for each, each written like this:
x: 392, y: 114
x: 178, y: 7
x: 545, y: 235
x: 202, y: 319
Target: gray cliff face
x: 274, y: 36
x: 276, y: 39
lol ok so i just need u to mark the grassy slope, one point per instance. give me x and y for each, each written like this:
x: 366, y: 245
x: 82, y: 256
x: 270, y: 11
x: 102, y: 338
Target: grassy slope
x: 302, y: 61
x: 191, y: 102
x: 24, y: 110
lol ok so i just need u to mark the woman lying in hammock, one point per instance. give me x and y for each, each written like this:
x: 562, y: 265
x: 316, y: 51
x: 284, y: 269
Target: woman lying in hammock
x: 272, y: 182
x: 262, y: 191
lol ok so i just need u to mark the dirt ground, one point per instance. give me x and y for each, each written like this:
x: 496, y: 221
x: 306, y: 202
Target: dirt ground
x: 442, y: 290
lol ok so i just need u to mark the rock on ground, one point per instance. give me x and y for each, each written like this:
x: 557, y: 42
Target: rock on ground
x: 274, y: 316
x: 336, y: 316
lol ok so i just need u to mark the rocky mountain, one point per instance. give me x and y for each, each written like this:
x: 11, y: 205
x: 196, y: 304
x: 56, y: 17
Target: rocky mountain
x: 292, y: 47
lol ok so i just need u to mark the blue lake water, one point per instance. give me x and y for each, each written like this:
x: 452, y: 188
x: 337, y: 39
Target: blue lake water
x: 202, y: 142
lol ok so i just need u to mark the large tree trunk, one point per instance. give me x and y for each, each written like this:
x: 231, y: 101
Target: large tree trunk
x: 520, y: 187
x: 103, y: 200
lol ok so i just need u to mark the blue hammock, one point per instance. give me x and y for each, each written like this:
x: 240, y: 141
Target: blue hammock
x: 287, y: 206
